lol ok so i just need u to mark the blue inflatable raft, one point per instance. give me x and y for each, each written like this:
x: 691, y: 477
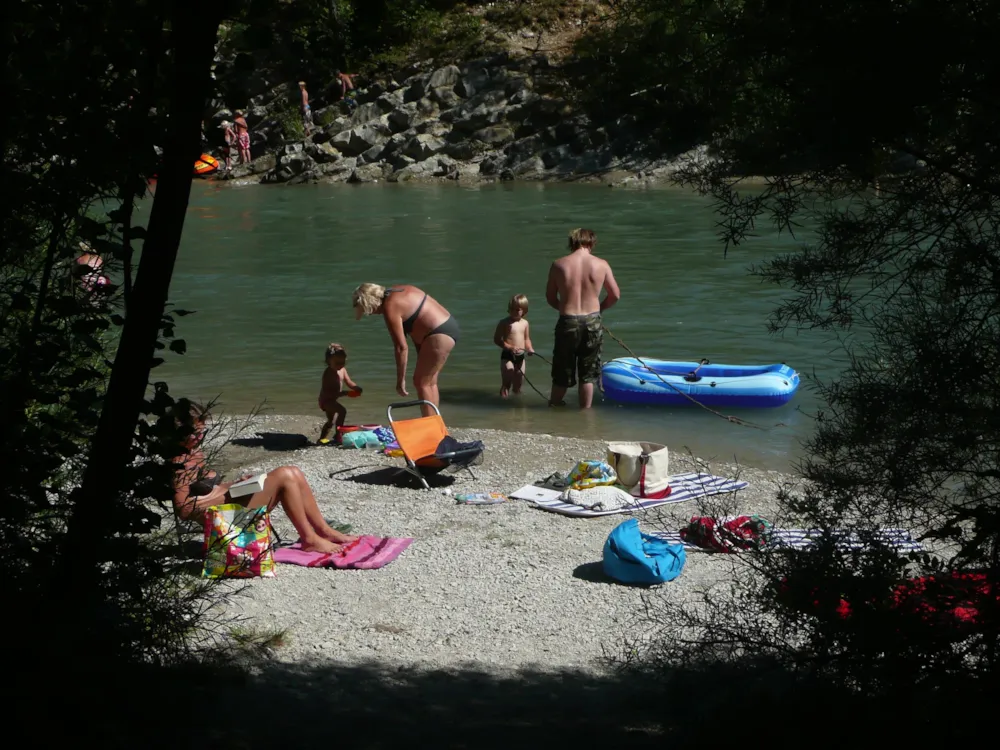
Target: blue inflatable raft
x: 628, y: 381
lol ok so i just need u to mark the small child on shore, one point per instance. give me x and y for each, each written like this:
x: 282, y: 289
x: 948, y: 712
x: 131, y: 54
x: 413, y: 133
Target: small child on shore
x: 336, y: 383
x: 513, y: 336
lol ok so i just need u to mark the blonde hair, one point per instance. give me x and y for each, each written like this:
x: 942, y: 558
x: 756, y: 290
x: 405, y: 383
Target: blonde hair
x: 518, y: 302
x: 582, y: 238
x: 334, y: 349
x: 367, y: 298
x: 302, y: 83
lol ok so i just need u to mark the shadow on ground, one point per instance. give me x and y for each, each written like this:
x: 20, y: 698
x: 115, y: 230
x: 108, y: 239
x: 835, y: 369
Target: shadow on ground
x: 274, y: 441
x: 371, y: 706
x: 393, y: 477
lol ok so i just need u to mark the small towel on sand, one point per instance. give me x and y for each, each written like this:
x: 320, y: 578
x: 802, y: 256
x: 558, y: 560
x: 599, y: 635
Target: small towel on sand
x: 599, y: 498
x: 367, y: 553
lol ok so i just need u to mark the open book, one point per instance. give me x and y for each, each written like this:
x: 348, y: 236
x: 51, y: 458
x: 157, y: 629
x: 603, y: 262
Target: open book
x: 248, y: 486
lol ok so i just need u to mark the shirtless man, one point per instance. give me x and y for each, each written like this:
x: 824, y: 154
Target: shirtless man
x: 574, y: 289
x: 307, y: 119
x: 242, y: 136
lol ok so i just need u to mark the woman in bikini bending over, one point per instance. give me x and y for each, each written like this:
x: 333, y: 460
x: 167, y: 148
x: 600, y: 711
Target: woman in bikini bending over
x: 408, y: 310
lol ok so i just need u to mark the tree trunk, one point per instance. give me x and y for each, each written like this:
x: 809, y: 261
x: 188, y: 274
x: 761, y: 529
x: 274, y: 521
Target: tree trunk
x: 193, y: 36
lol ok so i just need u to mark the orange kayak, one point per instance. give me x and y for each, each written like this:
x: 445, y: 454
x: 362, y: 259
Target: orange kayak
x: 205, y: 165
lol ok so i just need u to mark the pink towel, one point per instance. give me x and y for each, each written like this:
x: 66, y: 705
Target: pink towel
x: 366, y: 553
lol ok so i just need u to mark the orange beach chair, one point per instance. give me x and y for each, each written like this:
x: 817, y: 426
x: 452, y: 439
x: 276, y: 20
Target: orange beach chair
x: 427, y: 447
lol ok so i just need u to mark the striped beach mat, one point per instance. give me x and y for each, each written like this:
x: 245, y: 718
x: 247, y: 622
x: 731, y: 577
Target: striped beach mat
x: 683, y: 487
x: 802, y: 538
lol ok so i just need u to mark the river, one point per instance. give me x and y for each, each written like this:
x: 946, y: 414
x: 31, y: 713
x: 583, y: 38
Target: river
x: 270, y: 271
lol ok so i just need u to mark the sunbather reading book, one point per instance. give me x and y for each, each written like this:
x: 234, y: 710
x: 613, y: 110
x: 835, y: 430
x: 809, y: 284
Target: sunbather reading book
x: 198, y: 487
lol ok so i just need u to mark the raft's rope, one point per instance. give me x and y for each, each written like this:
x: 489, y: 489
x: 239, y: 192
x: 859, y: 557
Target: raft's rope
x: 689, y: 397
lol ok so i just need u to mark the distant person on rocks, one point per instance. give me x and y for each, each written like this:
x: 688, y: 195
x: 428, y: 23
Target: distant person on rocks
x: 242, y: 136
x: 307, y: 118
x: 343, y: 88
x: 513, y: 336
x: 408, y: 310
x: 229, y: 136
x: 574, y: 289
x: 336, y: 384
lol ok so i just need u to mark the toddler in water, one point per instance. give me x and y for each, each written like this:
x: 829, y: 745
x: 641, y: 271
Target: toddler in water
x: 336, y: 383
x: 513, y: 336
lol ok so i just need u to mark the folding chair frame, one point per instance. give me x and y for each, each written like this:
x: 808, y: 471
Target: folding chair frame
x: 412, y: 467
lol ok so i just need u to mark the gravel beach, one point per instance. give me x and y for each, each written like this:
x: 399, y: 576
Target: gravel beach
x: 495, y: 588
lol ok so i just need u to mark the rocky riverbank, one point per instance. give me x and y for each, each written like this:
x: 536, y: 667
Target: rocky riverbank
x: 497, y: 118
x: 505, y: 587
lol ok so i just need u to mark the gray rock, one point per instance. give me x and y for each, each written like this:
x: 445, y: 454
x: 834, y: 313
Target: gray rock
x: 338, y: 171
x: 369, y: 173
x: 426, y: 108
x: 445, y: 96
x: 446, y: 76
x: 525, y: 96
x: 494, y: 136
x: 524, y: 148
x: 219, y: 116
x: 389, y: 101
x: 263, y: 164
x: 554, y: 156
x: 434, y: 127
x: 491, y: 164
x: 531, y: 167
x: 481, y: 117
x: 473, y: 82
x: 417, y: 171
x: 464, y: 150
x: 296, y: 162
x: 365, y: 113
x: 358, y: 140
x: 421, y: 147
x: 255, y: 115
x: 415, y: 88
x: 323, y: 153
x: 403, y: 118
x: 400, y: 161
x: 518, y: 86
x: 292, y: 148
x: 372, y: 155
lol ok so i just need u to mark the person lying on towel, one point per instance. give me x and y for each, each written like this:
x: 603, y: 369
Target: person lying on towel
x: 198, y: 487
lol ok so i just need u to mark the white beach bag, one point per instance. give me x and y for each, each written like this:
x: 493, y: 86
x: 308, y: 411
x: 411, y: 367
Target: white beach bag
x: 644, y: 468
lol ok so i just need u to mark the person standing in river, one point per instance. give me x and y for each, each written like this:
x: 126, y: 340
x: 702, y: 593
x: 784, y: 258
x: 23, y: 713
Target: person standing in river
x: 574, y: 289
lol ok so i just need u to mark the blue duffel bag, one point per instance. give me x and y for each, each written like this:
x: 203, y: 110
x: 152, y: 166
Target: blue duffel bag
x: 633, y: 557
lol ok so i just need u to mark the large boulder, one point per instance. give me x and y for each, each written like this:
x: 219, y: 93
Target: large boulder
x: 473, y: 82
x: 494, y: 136
x: 403, y: 118
x: 255, y: 115
x: 444, y: 96
x: 358, y: 140
x: 365, y: 113
x: 434, y: 127
x: 322, y: 153
x: 337, y: 171
x: 370, y: 173
x: 372, y: 155
x: 421, y: 147
x: 476, y: 119
x: 415, y: 87
x: 446, y: 76
x: 390, y: 100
